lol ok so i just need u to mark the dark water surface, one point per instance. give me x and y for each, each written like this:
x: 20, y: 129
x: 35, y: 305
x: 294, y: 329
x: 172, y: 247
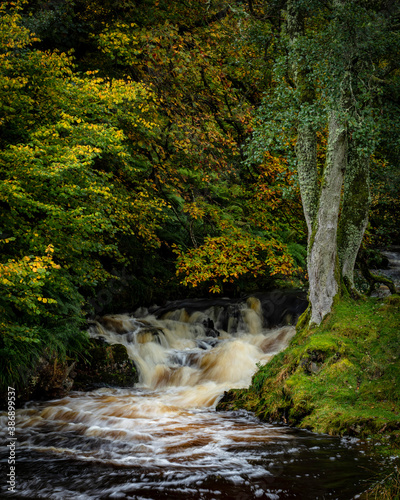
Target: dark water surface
x: 163, y: 439
x: 176, y: 453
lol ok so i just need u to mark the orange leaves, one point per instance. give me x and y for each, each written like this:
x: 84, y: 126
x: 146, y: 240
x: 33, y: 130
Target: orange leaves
x: 274, y: 175
x: 226, y: 258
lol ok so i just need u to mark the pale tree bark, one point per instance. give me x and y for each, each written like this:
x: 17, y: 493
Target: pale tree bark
x: 333, y: 244
x: 320, y: 203
x: 323, y: 269
x: 354, y: 214
x: 306, y: 152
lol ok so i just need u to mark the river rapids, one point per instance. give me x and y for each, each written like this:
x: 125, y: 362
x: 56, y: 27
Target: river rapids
x: 163, y: 438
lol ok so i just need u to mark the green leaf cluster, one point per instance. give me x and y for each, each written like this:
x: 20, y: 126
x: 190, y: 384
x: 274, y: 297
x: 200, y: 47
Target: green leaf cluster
x: 70, y: 189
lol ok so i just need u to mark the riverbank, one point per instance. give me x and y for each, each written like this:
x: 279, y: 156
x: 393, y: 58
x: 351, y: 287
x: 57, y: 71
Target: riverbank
x: 341, y: 378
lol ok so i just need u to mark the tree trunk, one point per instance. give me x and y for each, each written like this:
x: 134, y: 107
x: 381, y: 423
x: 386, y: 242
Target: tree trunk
x: 332, y: 245
x: 306, y: 151
x: 306, y: 148
x: 354, y: 215
x: 320, y: 204
x: 323, y: 269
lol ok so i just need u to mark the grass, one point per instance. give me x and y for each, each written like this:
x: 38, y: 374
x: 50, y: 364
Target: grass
x: 341, y: 378
x: 387, y: 488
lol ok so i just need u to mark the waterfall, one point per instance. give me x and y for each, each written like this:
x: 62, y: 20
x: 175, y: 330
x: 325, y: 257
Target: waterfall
x: 192, y: 351
x: 163, y: 437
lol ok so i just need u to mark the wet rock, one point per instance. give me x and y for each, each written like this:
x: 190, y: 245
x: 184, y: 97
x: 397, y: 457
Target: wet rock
x: 114, y: 324
x: 314, y: 368
x: 282, y: 307
x: 275, y: 308
x: 180, y: 358
x: 105, y: 365
x: 209, y: 327
x: 313, y: 362
x: 207, y: 343
x: 51, y: 379
x: 273, y: 343
x: 212, y: 333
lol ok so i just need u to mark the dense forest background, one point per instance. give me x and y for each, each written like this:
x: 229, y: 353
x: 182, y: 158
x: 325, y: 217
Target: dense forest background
x: 148, y: 152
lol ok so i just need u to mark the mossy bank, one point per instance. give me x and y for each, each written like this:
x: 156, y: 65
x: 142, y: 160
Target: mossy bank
x: 342, y: 377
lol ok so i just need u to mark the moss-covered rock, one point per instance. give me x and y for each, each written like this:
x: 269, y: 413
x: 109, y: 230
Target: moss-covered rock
x: 104, y: 365
x: 50, y: 379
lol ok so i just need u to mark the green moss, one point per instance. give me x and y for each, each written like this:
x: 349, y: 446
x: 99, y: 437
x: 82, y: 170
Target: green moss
x: 106, y: 365
x: 342, y: 377
x: 304, y: 318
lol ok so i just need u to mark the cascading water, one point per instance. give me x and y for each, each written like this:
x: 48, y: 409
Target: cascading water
x: 163, y: 438
x: 189, y: 354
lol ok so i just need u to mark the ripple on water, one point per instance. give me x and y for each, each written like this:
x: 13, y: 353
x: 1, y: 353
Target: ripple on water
x: 163, y: 439
x: 186, y: 453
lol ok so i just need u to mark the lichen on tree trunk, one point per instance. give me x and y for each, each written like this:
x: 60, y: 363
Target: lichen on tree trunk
x: 335, y: 207
x: 354, y: 214
x: 306, y: 147
x: 322, y: 254
x: 306, y: 151
x: 321, y: 203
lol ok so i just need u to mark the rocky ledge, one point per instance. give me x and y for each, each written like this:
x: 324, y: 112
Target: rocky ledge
x: 104, y: 365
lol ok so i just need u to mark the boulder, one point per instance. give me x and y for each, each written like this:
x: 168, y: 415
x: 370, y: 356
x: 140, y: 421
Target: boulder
x: 105, y: 365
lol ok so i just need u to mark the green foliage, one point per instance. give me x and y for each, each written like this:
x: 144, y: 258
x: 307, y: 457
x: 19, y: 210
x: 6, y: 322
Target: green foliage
x: 348, y: 61
x: 123, y: 135
x: 69, y: 189
x: 384, y: 226
x: 196, y: 73
x: 40, y: 311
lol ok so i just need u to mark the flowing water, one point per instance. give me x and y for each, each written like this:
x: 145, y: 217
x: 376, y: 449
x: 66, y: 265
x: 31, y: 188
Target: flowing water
x: 163, y: 437
x: 392, y: 271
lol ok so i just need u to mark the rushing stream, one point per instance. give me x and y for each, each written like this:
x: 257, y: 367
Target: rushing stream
x: 163, y: 438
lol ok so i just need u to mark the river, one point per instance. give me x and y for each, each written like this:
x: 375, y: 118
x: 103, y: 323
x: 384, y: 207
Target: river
x: 163, y: 438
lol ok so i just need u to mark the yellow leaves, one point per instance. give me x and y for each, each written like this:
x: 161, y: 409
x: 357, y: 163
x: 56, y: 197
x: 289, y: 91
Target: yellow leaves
x: 194, y: 210
x: 120, y: 41
x: 28, y: 268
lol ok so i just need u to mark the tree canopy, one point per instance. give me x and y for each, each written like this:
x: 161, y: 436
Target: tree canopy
x: 152, y: 149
